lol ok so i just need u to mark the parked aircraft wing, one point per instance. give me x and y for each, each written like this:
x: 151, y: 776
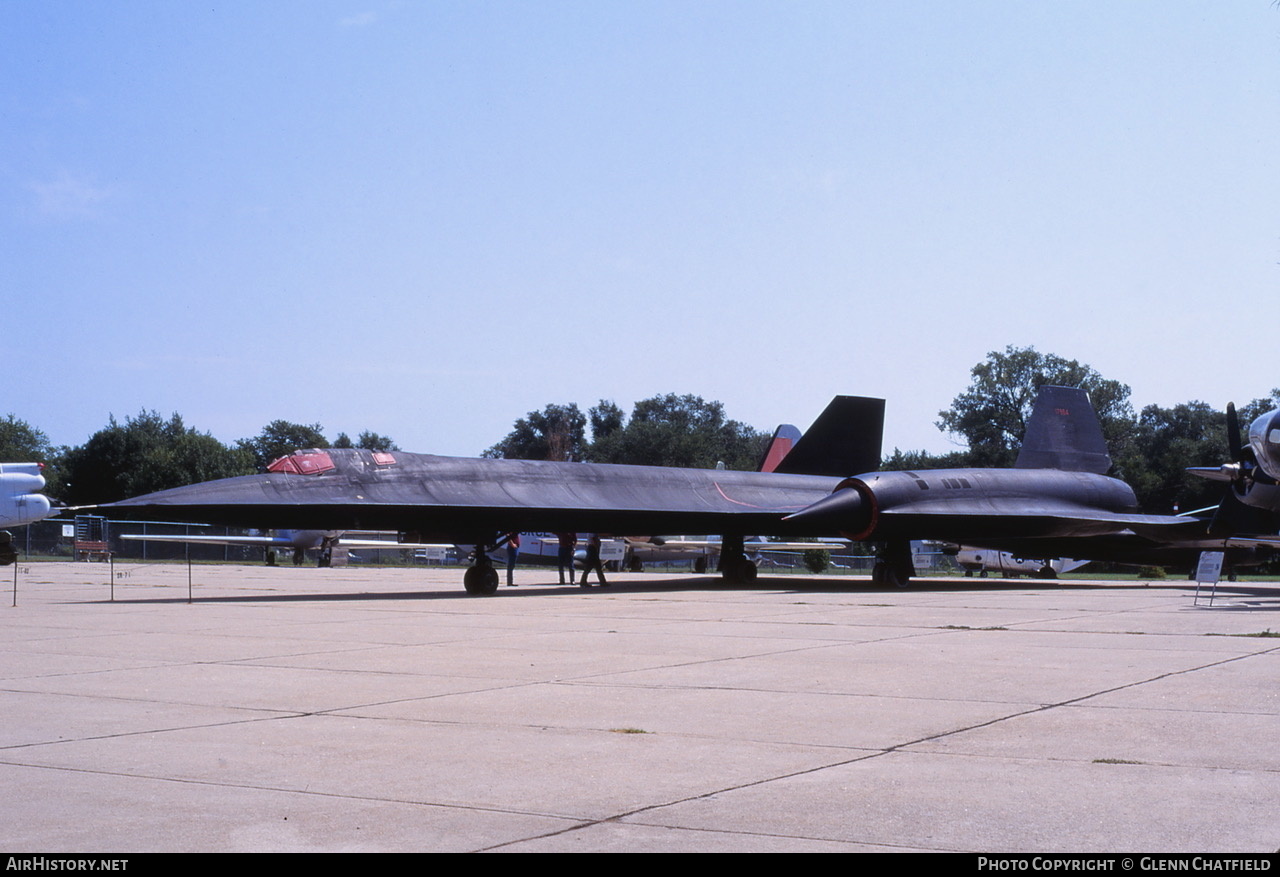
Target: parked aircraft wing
x: 205, y: 540
x: 287, y: 539
x: 754, y: 545
x: 1253, y: 541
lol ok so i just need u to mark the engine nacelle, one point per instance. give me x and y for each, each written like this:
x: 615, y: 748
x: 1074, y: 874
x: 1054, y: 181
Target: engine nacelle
x: 1264, y: 439
x: 20, y: 499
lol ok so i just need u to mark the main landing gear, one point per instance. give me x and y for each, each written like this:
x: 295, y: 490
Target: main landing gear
x: 894, y: 568
x: 735, y: 567
x: 481, y: 578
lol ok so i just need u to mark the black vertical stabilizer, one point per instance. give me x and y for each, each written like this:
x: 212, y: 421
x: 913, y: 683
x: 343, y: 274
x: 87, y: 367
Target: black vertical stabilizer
x: 844, y: 440
x: 1064, y: 433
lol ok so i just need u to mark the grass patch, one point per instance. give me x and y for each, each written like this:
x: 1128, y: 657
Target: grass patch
x: 1115, y: 761
x: 627, y: 731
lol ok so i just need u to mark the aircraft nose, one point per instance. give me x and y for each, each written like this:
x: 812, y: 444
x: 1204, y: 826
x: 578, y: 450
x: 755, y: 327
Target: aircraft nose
x: 845, y: 511
x: 1264, y: 435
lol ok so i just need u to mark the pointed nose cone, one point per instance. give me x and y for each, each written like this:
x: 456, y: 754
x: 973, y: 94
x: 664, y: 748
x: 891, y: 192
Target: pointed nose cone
x: 845, y: 511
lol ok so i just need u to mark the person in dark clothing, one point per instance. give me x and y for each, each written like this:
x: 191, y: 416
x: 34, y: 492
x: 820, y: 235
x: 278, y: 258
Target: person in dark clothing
x: 564, y: 559
x: 513, y: 548
x: 593, y: 562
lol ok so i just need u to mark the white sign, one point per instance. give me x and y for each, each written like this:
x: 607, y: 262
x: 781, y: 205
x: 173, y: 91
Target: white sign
x: 1209, y: 570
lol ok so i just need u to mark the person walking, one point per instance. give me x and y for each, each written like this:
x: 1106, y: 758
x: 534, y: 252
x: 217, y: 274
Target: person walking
x: 564, y: 559
x: 513, y: 549
x: 593, y: 562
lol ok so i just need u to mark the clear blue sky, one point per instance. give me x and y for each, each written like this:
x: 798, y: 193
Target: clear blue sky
x: 428, y: 218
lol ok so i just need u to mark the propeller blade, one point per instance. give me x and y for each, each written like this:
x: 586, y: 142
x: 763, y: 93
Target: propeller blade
x: 1233, y: 433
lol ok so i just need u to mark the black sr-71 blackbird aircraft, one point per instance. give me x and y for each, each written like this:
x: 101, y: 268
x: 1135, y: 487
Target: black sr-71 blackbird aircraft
x: 472, y: 501
x: 1055, y: 502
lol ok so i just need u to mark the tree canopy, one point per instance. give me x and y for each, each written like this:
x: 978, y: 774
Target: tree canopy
x: 685, y: 431
x: 281, y: 437
x: 1165, y: 442
x: 668, y: 430
x: 557, y: 432
x: 20, y: 442
x: 369, y: 441
x: 144, y: 454
x: 991, y: 415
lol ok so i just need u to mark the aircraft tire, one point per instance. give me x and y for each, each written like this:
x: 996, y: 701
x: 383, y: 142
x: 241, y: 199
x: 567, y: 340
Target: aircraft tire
x: 742, y: 572
x: 886, y: 575
x: 481, y: 581
x: 1048, y: 573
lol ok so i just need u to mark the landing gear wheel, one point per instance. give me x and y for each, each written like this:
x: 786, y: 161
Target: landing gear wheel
x: 1047, y: 572
x: 735, y: 568
x: 739, y: 572
x: 481, y: 580
x: 888, y: 576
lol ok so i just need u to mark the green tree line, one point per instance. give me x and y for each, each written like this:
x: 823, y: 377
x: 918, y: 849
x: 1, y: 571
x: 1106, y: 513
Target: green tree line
x: 684, y: 431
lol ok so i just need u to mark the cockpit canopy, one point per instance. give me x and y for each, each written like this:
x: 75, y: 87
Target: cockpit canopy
x: 308, y: 462
x: 314, y: 461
